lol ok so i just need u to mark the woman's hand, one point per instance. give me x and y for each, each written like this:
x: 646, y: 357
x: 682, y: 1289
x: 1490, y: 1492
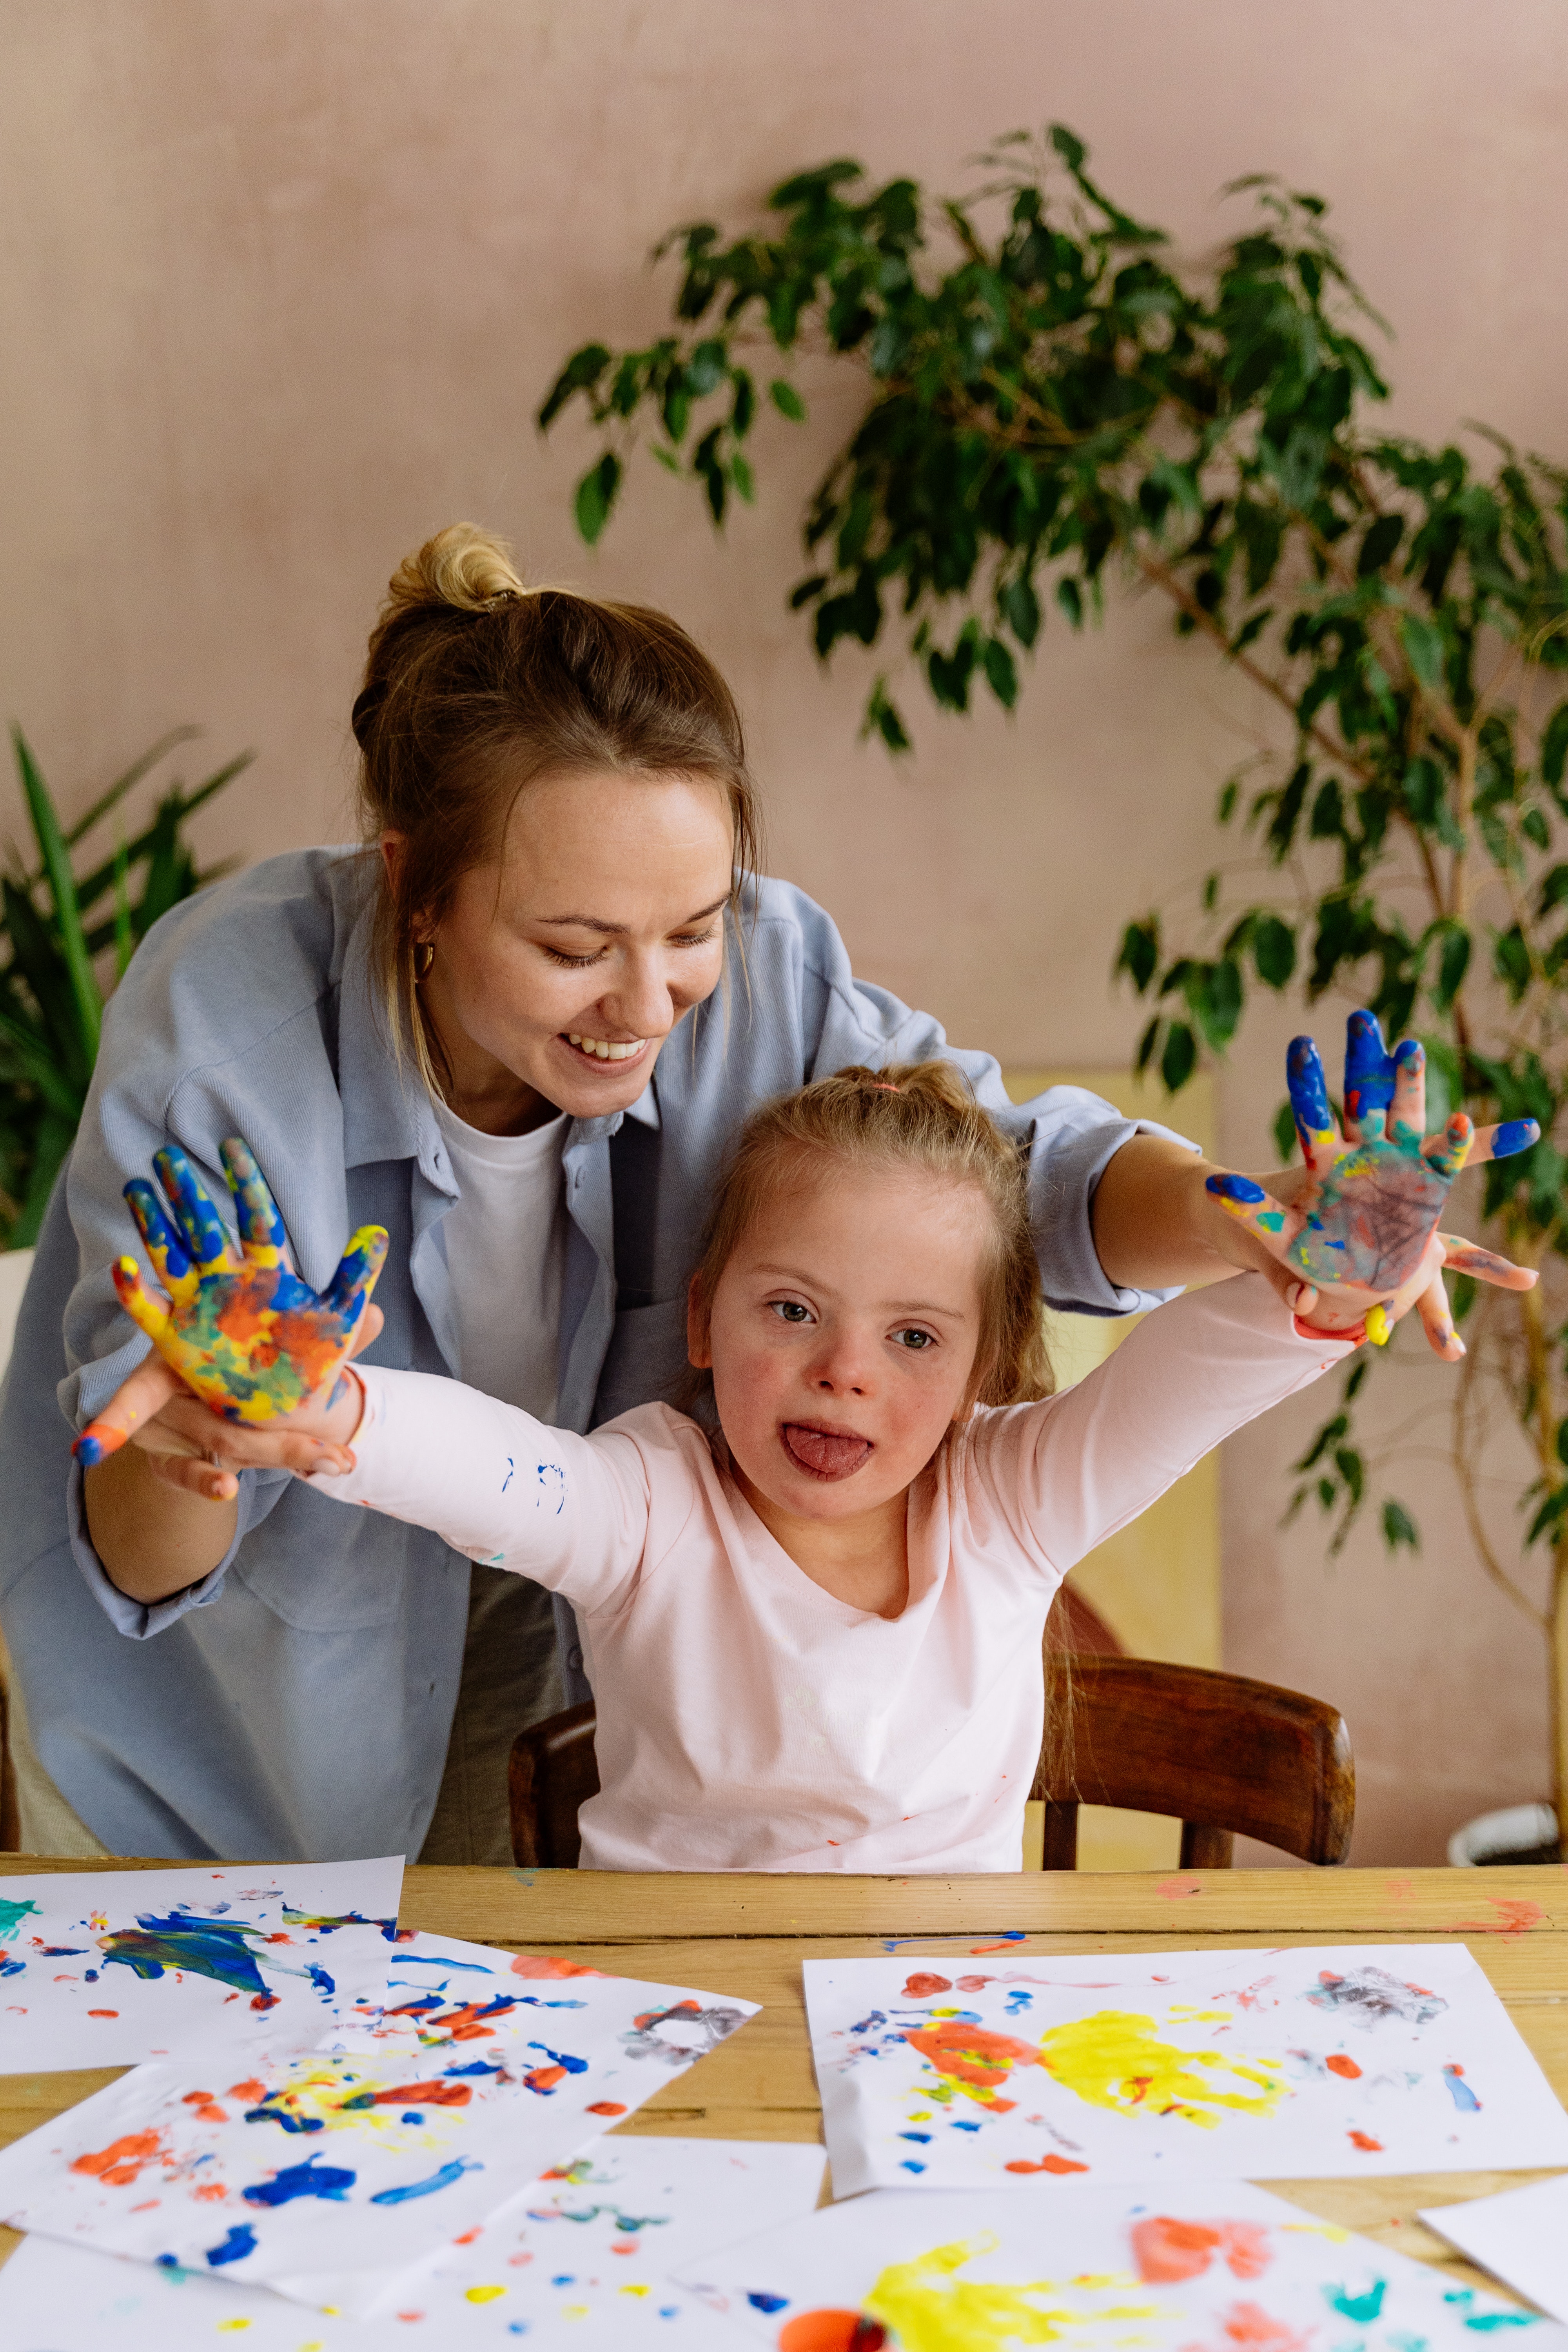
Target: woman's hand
x: 1362, y: 1230
x: 239, y: 1348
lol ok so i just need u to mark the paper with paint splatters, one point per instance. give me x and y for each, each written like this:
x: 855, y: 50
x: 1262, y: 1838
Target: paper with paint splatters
x: 326, y: 2173
x: 1219, y: 2268
x: 1048, y: 2074
x: 108, y: 1967
x: 583, y: 2255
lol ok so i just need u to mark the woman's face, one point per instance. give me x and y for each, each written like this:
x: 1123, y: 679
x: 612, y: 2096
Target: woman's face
x: 568, y: 961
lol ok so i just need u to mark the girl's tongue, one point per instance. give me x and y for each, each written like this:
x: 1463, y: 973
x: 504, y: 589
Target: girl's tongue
x: 826, y: 1453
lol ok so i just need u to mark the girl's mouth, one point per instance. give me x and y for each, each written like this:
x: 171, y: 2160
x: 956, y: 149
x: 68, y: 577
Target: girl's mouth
x: 829, y: 1454
x: 604, y: 1052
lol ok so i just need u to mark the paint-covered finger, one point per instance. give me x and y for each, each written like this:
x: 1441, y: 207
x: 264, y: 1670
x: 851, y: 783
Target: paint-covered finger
x: 1485, y: 1266
x: 149, y: 1314
x: 358, y: 1269
x: 199, y: 1221
x: 1251, y: 1206
x: 1503, y: 1141
x: 1448, y: 1152
x: 1407, y: 1116
x: 1437, y: 1321
x: 369, y: 1331
x: 1369, y: 1078
x: 1309, y: 1104
x: 261, y: 1233
x: 132, y: 1405
x: 171, y: 1260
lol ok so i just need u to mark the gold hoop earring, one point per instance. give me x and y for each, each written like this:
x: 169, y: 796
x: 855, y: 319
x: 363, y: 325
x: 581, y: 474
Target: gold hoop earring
x: 423, y: 957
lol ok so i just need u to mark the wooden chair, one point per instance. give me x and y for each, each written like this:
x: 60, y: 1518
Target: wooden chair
x: 1223, y: 1754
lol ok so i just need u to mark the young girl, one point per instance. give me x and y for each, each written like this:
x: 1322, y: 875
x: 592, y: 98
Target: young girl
x: 813, y: 1628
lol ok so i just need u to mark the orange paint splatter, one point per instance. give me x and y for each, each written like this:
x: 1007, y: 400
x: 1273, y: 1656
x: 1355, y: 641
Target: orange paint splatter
x: 1248, y: 2324
x: 123, y: 2160
x: 1346, y: 2068
x: 830, y: 2331
x: 1366, y: 2140
x: 213, y: 2194
x: 973, y: 2055
x: 1178, y: 1886
x: 924, y: 1984
x: 468, y: 2236
x: 250, y: 2089
x: 533, y: 1964
x: 605, y: 2107
x: 1167, y: 2251
x: 1052, y: 2163
x: 103, y: 2013
x: 1519, y: 1915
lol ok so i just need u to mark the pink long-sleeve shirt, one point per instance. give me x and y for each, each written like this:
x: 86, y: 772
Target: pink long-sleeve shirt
x: 747, y: 1720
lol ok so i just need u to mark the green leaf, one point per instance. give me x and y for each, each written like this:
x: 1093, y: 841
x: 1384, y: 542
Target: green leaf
x: 1273, y: 950
x: 62, y: 891
x: 1348, y: 1463
x: 581, y: 370
x: 1554, y: 746
x: 1547, y: 1516
x: 1140, y: 954
x: 882, y: 719
x: 1179, y: 1058
x: 1399, y: 1528
x: 1424, y: 646
x: 787, y: 401
x: 1001, y: 675
x: 1285, y: 1137
x: 1379, y: 544
x: 595, y: 496
x: 1452, y: 965
x: 740, y: 475
x: 1020, y: 608
x: 1070, y: 596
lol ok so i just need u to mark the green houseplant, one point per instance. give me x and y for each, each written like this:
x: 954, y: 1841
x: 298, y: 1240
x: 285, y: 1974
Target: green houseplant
x: 62, y: 927
x: 1052, y: 403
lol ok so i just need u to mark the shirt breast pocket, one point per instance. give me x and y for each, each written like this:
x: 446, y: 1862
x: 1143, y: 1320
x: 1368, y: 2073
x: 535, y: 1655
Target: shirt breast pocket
x: 645, y: 1361
x: 324, y: 1569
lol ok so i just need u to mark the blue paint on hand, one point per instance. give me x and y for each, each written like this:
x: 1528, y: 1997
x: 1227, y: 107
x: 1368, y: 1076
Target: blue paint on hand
x: 240, y: 2242
x: 1514, y: 1135
x: 1236, y: 1188
x: 448, y: 2174
x: 311, y: 2178
x: 1307, y: 1088
x: 1368, y: 1067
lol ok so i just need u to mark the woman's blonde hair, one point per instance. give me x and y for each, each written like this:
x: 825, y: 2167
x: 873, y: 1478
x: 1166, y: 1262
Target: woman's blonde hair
x: 475, y: 687
x: 913, y: 1115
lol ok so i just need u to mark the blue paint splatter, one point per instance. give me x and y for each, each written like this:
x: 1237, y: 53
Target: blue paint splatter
x: 1236, y: 1188
x: 1459, y: 2091
x: 562, y: 2058
x: 1018, y: 2000
x: 768, y: 2303
x: 552, y: 1481
x: 959, y: 2124
x: 240, y: 2242
x: 1363, y: 2308
x: 510, y: 1467
x: 203, y: 1947
x: 332, y: 2181
x: 321, y: 1980
x: 923, y: 2137
x: 909, y: 2164
x: 442, y: 2180
x: 13, y: 1967
x: 61, y: 1951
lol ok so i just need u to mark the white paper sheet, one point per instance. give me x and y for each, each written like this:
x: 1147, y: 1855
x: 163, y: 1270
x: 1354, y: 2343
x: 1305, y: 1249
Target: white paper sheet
x: 1520, y: 2236
x: 108, y: 1967
x: 1220, y: 2267
x: 582, y: 2258
x: 1039, y: 2072
x: 326, y: 2174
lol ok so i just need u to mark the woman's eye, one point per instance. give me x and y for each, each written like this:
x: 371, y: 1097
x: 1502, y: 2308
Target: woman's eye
x: 915, y: 1340
x: 790, y: 1310
x: 571, y: 963
x: 696, y: 939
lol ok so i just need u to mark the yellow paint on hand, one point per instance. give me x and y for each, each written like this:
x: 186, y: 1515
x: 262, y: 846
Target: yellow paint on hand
x: 1115, y: 2059
x: 930, y: 2309
x: 483, y: 2294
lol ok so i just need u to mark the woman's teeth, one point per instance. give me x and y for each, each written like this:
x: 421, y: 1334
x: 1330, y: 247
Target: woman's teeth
x: 607, y: 1052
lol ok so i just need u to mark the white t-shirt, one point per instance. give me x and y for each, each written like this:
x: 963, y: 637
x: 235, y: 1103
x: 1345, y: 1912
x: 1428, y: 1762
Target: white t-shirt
x: 505, y: 1246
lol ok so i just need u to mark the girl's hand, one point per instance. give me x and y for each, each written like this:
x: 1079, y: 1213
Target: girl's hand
x: 255, y: 1344
x: 1363, y: 1230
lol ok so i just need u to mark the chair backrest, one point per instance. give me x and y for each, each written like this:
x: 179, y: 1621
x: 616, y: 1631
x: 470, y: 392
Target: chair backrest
x: 1225, y: 1755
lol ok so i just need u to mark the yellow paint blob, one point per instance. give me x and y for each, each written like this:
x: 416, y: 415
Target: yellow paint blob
x: 635, y: 2290
x: 1115, y: 2059
x: 483, y: 2294
x: 930, y: 2309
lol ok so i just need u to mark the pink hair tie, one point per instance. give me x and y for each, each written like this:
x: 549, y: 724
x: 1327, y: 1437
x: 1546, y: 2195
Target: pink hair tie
x: 881, y: 1087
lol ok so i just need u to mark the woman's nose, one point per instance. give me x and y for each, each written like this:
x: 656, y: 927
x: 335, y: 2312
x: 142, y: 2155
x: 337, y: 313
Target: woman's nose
x: 641, y: 1001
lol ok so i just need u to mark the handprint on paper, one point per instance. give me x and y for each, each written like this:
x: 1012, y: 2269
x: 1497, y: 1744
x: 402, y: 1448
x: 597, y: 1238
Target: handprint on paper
x: 1366, y: 1224
x: 248, y: 1336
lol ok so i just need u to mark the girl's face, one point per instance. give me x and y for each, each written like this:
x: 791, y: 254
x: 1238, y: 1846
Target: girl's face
x: 843, y: 1334
x: 568, y: 961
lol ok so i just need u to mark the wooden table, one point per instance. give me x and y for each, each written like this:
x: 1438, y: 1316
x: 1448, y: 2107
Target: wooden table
x: 748, y: 1935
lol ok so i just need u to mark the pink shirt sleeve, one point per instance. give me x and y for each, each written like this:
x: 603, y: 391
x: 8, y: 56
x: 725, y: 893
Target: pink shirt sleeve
x: 569, y: 1512
x: 1069, y: 1472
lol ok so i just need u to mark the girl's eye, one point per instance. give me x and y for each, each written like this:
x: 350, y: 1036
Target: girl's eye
x: 790, y: 1310
x: 916, y: 1340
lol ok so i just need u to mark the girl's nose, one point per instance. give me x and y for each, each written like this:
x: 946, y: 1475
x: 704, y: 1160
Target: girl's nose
x: 842, y: 1370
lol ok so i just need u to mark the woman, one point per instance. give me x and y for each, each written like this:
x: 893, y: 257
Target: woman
x: 518, y: 1030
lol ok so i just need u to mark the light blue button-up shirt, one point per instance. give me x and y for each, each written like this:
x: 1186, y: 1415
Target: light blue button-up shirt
x: 295, y: 1702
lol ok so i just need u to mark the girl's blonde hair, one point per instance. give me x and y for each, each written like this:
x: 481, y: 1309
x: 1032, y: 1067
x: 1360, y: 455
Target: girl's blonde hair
x: 913, y: 1115
x: 475, y: 687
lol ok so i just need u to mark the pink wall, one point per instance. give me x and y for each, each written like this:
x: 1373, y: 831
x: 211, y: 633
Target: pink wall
x: 283, y: 285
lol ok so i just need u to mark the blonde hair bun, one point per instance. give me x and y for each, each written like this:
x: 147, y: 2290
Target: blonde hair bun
x: 462, y: 567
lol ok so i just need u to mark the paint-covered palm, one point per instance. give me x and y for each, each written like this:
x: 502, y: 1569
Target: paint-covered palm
x: 250, y: 1339
x: 1365, y: 1226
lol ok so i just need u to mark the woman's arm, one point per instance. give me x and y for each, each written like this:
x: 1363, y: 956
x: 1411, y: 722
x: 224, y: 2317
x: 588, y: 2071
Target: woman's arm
x: 1156, y: 1227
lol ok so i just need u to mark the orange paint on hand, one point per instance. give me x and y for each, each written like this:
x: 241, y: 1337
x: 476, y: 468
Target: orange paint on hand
x: 1346, y: 2068
x: 123, y: 2160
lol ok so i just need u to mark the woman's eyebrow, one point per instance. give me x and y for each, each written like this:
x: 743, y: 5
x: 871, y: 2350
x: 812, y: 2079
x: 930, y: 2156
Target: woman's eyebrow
x: 599, y: 923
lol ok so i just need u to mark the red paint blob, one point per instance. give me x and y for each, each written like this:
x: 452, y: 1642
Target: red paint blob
x: 922, y: 1984
x: 1340, y: 2064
